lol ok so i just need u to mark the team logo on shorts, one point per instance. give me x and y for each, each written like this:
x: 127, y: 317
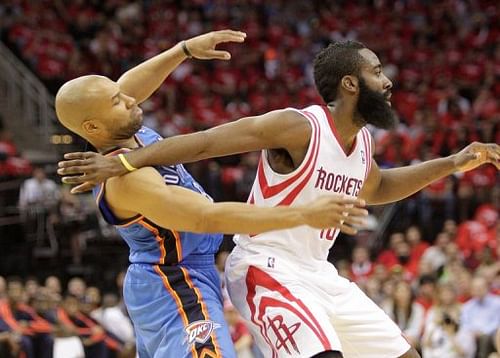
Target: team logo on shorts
x: 200, y: 331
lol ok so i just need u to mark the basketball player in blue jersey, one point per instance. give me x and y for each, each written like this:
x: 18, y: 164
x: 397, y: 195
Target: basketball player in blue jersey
x: 349, y: 77
x: 172, y: 289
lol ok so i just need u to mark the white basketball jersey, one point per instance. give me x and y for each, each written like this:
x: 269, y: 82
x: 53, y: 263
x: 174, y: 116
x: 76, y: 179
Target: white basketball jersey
x: 326, y: 168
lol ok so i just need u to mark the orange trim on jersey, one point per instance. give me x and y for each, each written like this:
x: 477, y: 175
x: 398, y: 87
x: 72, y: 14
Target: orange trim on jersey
x: 158, y: 238
x: 99, y: 194
x: 204, y: 310
x: 133, y: 221
x: 178, y: 244
x: 206, y: 353
x: 178, y: 302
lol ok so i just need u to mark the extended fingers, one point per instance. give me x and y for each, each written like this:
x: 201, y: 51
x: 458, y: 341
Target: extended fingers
x: 78, y: 179
x: 79, y: 155
x: 75, y: 168
x: 229, y: 36
x: 82, y: 188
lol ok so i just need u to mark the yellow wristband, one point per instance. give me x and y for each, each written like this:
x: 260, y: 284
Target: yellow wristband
x: 125, y: 163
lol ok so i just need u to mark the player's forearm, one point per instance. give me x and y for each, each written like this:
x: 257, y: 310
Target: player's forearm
x: 144, y: 79
x: 231, y: 218
x: 174, y: 150
x: 400, y: 183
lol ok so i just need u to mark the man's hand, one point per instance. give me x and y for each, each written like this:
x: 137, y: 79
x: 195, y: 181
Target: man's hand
x: 336, y: 211
x: 203, y: 47
x: 88, y: 169
x: 476, y: 154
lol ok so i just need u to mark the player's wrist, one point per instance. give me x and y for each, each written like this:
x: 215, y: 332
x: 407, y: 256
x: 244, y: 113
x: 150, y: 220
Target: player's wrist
x: 121, y: 165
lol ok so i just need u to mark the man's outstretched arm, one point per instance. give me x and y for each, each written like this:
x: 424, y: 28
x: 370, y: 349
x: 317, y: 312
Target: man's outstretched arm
x: 181, y: 209
x: 386, y: 186
x: 144, y: 79
x: 277, y: 129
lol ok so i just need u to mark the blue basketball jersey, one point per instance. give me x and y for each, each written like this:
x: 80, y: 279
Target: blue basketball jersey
x: 150, y: 243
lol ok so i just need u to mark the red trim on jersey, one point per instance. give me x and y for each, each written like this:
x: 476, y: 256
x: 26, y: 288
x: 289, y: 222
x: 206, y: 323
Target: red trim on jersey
x: 293, y: 194
x: 269, y: 191
x: 366, y: 145
x: 331, y: 122
x: 368, y: 150
x: 257, y: 277
x: 251, y: 199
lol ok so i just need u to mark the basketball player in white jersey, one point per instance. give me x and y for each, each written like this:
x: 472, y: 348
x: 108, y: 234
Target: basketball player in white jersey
x: 281, y: 282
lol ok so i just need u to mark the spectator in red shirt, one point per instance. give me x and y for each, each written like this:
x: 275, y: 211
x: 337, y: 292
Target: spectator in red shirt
x: 361, y: 267
x: 388, y: 257
x: 414, y: 238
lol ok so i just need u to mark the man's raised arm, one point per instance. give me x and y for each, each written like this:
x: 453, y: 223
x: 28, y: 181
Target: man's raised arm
x: 144, y: 79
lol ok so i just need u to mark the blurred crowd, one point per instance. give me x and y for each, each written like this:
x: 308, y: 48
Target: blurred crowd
x: 437, y: 276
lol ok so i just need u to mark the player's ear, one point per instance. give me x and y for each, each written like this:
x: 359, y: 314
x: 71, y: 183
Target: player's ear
x: 349, y: 83
x: 91, y: 127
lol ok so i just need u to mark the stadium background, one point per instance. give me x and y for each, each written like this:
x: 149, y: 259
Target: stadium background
x: 433, y: 251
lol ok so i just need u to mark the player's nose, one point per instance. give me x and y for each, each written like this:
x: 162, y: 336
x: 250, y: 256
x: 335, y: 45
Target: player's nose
x: 129, y: 101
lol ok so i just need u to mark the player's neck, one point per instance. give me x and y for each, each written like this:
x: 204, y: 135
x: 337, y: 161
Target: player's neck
x: 106, y: 146
x: 343, y: 118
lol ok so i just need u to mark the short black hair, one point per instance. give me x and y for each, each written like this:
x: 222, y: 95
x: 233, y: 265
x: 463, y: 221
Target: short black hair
x: 334, y: 62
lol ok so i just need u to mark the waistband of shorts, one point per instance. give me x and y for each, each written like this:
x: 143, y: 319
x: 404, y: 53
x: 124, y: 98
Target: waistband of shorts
x: 203, y: 260
x: 199, y: 260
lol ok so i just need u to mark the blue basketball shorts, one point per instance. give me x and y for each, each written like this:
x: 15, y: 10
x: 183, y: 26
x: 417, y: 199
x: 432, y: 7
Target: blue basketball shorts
x: 177, y: 311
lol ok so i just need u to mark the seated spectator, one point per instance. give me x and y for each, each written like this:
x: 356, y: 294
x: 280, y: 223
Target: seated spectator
x: 21, y: 319
x: 426, y: 291
x: 112, y: 319
x: 435, y: 255
x: 53, y: 284
x: 9, y: 346
x: 408, y: 314
x: 361, y: 267
x: 242, y: 339
x: 474, y: 235
x: 443, y: 334
x: 414, y: 238
x: 92, y: 335
x: 481, y: 316
x: 388, y: 257
x: 77, y: 288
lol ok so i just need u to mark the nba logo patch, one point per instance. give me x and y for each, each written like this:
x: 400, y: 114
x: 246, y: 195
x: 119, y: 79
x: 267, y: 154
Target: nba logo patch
x: 200, y: 331
x: 363, y: 160
x: 270, y: 262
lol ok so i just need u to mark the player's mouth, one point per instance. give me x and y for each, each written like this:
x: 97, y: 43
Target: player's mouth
x: 137, y: 113
x: 388, y: 96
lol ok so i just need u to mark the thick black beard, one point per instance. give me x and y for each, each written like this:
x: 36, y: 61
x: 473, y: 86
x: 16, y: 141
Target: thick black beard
x: 373, y: 108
